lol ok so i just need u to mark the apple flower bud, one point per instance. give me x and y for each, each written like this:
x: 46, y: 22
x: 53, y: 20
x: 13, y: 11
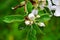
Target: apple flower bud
x: 22, y: 3
x: 41, y: 24
x: 12, y: 8
x: 35, y: 11
x: 37, y: 16
x: 27, y: 22
x: 31, y: 16
x: 31, y: 22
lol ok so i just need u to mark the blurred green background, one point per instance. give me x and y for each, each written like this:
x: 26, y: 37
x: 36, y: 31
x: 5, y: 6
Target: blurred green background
x: 52, y: 30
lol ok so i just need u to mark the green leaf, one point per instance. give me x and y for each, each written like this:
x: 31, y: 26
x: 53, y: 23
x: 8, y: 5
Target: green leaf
x: 23, y: 33
x: 29, y: 6
x: 45, y: 18
x: 21, y: 11
x: 39, y: 32
x: 20, y: 0
x: 40, y: 12
x: 32, y: 34
x: 13, y: 18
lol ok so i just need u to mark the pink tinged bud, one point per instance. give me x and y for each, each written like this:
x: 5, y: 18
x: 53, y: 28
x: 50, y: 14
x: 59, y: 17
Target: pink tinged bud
x: 34, y: 11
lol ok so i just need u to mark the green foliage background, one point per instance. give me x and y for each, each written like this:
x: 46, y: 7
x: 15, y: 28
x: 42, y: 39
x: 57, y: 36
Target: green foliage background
x: 8, y: 31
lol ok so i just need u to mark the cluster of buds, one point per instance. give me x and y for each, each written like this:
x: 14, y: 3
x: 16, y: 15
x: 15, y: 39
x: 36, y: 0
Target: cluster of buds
x: 32, y: 16
x: 29, y: 20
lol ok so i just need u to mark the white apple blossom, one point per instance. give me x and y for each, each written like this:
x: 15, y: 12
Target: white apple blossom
x: 57, y: 12
x: 56, y: 2
x: 56, y: 8
x: 50, y: 5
